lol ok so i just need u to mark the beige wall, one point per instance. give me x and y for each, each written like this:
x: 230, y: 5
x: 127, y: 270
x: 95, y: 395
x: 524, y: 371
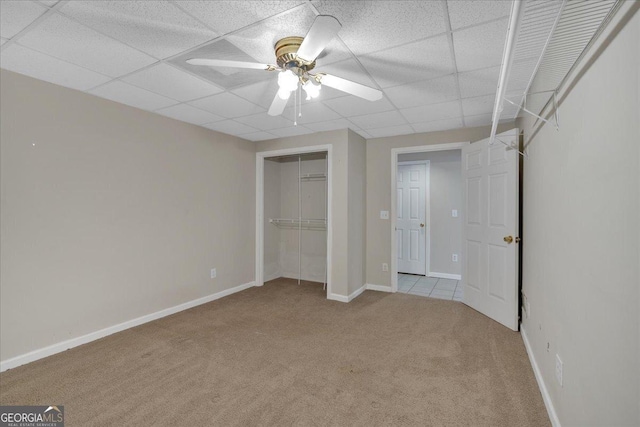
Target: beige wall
x: 581, y: 242
x: 113, y: 214
x: 379, y: 190
x: 357, y: 204
x: 445, y: 194
x: 272, y: 209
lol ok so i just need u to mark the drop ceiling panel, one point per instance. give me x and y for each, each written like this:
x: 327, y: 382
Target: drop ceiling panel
x: 349, y: 106
x: 131, y: 95
x: 231, y: 127
x: 158, y: 28
x: 331, y: 125
x: 437, y: 125
x: 257, y: 136
x: 189, y: 114
x: 411, y: 62
x: 166, y: 80
x: 463, y: 13
x: 226, y: 16
x: 479, y: 120
x: 291, y: 131
x: 49, y: 3
x: 479, y: 82
x: 375, y: 25
x: 484, y: 105
x: 390, y: 131
x: 2, y: 41
x: 311, y: 112
x: 481, y: 46
x: 424, y: 93
x: 72, y: 42
x: 227, y: 105
x: 429, y: 113
x: 378, y: 120
x: 263, y: 121
x: 15, y: 16
x: 40, y: 66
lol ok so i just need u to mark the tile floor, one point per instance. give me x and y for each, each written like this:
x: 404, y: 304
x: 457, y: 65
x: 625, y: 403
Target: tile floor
x: 430, y: 287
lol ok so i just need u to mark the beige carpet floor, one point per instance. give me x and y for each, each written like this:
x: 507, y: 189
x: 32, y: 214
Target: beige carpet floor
x: 284, y: 355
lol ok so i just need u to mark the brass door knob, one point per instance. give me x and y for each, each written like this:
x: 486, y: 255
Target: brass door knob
x: 508, y: 239
x: 422, y: 224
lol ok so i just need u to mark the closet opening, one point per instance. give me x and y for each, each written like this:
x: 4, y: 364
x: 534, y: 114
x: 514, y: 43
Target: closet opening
x: 293, y: 218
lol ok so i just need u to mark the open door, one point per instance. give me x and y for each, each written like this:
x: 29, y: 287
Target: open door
x: 489, y: 242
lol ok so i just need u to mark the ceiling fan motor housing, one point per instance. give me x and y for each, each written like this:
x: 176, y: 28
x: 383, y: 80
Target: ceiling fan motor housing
x: 287, y: 54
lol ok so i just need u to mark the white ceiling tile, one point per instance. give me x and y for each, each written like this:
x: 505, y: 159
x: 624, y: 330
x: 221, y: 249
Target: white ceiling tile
x: 479, y: 82
x: 40, y: 66
x: 463, y: 13
x: 331, y: 125
x: 363, y: 134
x: 349, y: 106
x: 15, y: 16
x: 67, y: 40
x: 378, y: 120
x: 230, y: 127
x: 257, y: 136
x: 49, y: 3
x: 479, y: 120
x: 484, y: 105
x: 480, y: 47
x: 438, y: 125
x: 131, y: 95
x: 411, y: 62
x: 428, y: 113
x: 350, y: 70
x: 227, y: 105
x: 312, y: 112
x: 189, y: 114
x: 227, y: 16
x: 390, y: 131
x: 260, y: 93
x: 169, y: 81
x: 157, y: 27
x: 2, y: 41
x: 291, y: 131
x: 263, y: 121
x: 424, y: 93
x: 375, y: 25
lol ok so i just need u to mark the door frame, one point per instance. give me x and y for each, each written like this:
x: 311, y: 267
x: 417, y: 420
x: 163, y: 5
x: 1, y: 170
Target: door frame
x: 392, y: 217
x: 260, y: 159
x: 427, y: 208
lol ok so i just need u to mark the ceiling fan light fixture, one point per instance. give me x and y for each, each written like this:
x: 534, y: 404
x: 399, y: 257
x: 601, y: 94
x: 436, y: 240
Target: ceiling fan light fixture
x: 312, y: 88
x: 288, y: 81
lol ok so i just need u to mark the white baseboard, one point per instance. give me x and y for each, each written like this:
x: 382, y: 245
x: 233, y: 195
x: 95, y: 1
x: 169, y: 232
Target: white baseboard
x: 379, y: 288
x: 350, y: 297
x: 546, y: 397
x: 445, y: 275
x: 84, y: 339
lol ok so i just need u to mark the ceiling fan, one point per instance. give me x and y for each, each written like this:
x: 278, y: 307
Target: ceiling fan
x: 296, y: 57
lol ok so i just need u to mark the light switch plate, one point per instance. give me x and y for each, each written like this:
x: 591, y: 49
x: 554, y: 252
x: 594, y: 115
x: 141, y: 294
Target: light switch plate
x: 454, y: 213
x: 384, y: 214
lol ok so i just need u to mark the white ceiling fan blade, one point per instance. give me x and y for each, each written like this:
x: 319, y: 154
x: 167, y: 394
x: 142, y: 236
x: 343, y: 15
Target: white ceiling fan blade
x: 232, y: 64
x: 323, y: 30
x: 353, y: 88
x: 278, y: 104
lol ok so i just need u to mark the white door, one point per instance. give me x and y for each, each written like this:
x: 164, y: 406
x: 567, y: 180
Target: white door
x: 489, y: 249
x: 411, y: 220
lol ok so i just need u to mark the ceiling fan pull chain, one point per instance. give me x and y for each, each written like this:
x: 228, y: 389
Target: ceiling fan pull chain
x: 295, y: 108
x: 300, y: 100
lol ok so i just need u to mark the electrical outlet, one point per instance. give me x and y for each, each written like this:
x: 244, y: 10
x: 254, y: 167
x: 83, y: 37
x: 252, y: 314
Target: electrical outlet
x: 214, y: 273
x: 454, y: 257
x: 384, y: 214
x: 385, y: 266
x: 559, y: 366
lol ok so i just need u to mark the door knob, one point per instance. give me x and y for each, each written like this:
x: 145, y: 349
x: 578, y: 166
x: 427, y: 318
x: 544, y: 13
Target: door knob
x: 422, y: 224
x: 508, y: 239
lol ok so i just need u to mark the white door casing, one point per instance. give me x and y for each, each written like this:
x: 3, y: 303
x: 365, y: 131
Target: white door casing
x: 411, y: 218
x: 489, y: 262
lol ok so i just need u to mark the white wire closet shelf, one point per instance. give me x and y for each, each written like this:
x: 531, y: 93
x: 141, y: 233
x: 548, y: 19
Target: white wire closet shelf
x: 304, y: 223
x: 313, y: 177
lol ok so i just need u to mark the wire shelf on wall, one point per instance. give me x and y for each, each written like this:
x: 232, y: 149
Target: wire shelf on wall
x: 313, y: 177
x: 306, y: 224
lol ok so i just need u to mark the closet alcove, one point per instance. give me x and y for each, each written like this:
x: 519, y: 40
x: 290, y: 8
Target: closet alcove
x: 295, y: 217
